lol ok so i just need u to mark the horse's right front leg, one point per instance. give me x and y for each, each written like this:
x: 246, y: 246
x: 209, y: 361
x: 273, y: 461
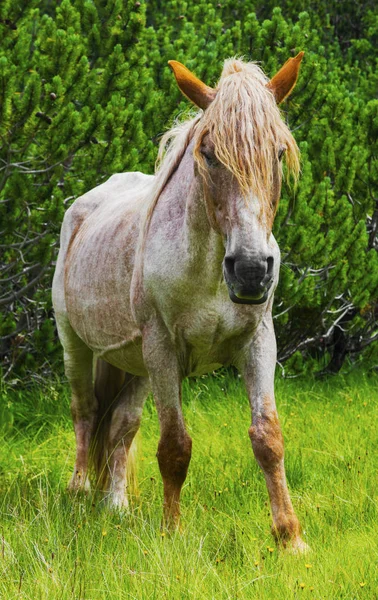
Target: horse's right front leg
x: 175, y: 445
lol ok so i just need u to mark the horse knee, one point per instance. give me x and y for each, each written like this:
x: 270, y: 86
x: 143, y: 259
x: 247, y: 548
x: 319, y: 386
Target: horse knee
x: 174, y: 456
x: 83, y: 400
x: 267, y: 441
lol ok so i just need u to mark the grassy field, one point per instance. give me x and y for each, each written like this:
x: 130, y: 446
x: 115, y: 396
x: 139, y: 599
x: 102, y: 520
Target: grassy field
x: 53, y: 546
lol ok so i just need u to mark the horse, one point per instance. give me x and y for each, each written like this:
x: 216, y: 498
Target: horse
x: 165, y: 276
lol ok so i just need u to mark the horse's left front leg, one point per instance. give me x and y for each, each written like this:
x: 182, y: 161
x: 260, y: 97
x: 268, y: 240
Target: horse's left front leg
x: 266, y: 436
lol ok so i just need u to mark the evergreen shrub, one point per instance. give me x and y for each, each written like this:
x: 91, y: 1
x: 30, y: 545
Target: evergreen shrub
x: 85, y: 91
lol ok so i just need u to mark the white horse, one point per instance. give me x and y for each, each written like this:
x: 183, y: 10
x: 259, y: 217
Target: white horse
x: 167, y: 276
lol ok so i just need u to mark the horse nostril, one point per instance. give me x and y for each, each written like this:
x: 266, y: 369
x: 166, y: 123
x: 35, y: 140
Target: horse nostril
x: 270, y: 263
x: 254, y: 274
x: 229, y: 265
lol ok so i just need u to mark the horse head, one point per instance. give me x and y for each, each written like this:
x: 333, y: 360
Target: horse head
x: 239, y: 144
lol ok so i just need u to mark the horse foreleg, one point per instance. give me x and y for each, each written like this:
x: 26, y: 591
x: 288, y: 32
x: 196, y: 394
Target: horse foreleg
x: 266, y: 437
x: 175, y: 445
x: 174, y: 453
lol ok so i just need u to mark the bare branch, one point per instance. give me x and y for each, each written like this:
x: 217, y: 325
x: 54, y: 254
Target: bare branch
x: 22, y: 291
x: 20, y: 274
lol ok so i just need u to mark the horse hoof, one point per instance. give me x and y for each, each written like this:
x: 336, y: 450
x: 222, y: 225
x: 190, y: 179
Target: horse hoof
x: 77, y: 485
x: 171, y: 524
x: 297, y: 546
x: 118, y: 503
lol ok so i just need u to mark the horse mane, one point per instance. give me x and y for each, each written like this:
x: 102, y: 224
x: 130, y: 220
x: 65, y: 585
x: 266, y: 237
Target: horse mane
x: 172, y: 148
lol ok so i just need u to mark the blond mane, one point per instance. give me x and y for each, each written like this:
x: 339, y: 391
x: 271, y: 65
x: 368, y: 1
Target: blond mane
x: 172, y: 148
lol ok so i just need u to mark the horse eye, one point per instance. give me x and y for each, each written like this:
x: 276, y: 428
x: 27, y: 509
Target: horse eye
x: 281, y: 152
x: 210, y: 159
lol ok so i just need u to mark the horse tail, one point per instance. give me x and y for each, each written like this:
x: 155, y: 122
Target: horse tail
x: 109, y: 381
x: 131, y: 471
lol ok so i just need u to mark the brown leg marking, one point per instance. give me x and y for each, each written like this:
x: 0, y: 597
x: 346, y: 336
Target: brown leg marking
x: 174, y: 453
x: 268, y: 447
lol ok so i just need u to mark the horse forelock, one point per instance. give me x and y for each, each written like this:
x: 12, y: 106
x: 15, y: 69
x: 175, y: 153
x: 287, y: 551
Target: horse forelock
x: 247, y: 129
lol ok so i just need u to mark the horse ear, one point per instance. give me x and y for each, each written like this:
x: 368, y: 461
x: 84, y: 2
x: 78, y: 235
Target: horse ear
x: 283, y: 83
x: 193, y: 88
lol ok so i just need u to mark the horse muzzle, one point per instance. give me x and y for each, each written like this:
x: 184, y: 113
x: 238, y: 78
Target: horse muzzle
x: 248, y: 282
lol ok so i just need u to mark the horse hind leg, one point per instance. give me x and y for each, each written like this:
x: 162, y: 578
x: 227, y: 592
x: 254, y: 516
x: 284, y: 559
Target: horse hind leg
x: 121, y: 397
x: 78, y: 361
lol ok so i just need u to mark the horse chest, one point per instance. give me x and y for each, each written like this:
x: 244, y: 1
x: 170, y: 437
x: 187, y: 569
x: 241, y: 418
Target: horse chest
x: 213, y: 336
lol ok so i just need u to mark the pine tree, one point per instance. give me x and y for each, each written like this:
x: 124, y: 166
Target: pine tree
x: 85, y: 92
x: 72, y: 91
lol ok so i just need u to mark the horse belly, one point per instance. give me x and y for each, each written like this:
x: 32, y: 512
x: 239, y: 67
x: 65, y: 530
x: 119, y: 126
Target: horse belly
x: 128, y: 357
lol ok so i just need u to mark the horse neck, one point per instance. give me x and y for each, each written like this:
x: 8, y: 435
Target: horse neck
x: 204, y: 247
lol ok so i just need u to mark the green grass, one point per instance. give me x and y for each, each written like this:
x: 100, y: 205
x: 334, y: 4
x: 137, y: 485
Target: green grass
x: 53, y: 546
